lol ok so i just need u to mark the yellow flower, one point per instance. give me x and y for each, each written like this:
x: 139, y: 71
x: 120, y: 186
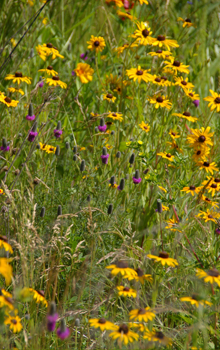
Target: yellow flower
x: 162, y: 41
x: 124, y: 334
x: 14, y: 322
x: 184, y: 83
x: 214, y: 101
x: 126, y: 292
x: 173, y: 145
x: 49, y: 70
x: 212, y: 276
x: 140, y: 276
x: 140, y: 142
x: 46, y: 50
x: 209, y: 167
x: 139, y: 74
x: 55, y: 81
x: 196, y: 300
x: 124, y: 14
x: 186, y: 22
x: 191, y: 189
x: 172, y: 224
x: 160, y: 101
x: 142, y: 34
x: 18, y: 78
x: 4, y: 244
x: 174, y: 134
x: 84, y: 72
x: 109, y: 97
x: 122, y: 268
x: 207, y: 200
x: 161, y: 81
x: 210, y: 215
x: 160, y: 54
x: 39, y: 296
x: 187, y: 116
x: 140, y: 326
x: 164, y: 259
x: 102, y: 323
x: 167, y: 156
x: 6, y: 299
x: 142, y: 315
x: 200, y: 137
x: 145, y: 127
x: 163, y: 189
x: 157, y: 337
x: 6, y: 270
x: 11, y: 89
x: 120, y: 49
x: 201, y: 154
x: 96, y: 43
x: 50, y: 149
x: 176, y: 66
x: 143, y: 2
x: 115, y: 116
x: 212, y: 185
x: 13, y: 42
x: 192, y: 95
x: 45, y: 20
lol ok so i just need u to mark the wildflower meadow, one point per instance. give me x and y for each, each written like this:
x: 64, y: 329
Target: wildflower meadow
x: 110, y: 174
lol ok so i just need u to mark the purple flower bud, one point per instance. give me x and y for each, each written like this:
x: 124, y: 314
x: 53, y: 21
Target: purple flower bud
x: 105, y: 158
x: 217, y: 231
x: 136, y: 181
x: 32, y: 136
x: 63, y: 332
x: 196, y: 103
x: 73, y: 73
x: 41, y: 84
x: 51, y: 322
x: 102, y: 128
x: 57, y: 133
x: 83, y: 56
x: 30, y: 115
x: 5, y: 149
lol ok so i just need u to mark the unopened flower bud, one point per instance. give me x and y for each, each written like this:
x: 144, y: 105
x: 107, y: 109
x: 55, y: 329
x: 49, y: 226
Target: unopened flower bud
x: 104, y: 151
x: 59, y: 125
x: 74, y: 149
x: 82, y: 165
x: 132, y: 158
x: 74, y: 157
x: 59, y: 210
x: 110, y: 209
x: 42, y: 213
x: 159, y: 206
x: 77, y: 322
x: 67, y: 145
x: 118, y: 154
x: 57, y: 152
x: 122, y: 185
x: 112, y: 180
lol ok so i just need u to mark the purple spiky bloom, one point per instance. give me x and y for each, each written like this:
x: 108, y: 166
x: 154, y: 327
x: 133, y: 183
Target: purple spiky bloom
x: 102, y: 128
x: 41, y: 84
x: 30, y: 117
x: 84, y: 56
x: 196, y: 103
x: 136, y: 181
x: 217, y: 231
x: 73, y: 73
x: 32, y: 136
x: 105, y: 158
x: 63, y: 332
x: 5, y: 149
x: 51, y: 322
x: 57, y: 133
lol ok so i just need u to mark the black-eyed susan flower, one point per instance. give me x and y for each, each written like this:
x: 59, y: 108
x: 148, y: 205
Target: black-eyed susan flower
x: 142, y: 314
x: 160, y: 101
x: 157, y: 336
x: 96, y: 43
x: 121, y: 49
x: 122, y: 268
x: 184, y: 83
x: 192, y: 95
x: 167, y: 156
x: 160, y: 53
x: 161, y: 41
x: 141, y: 327
x: 8, y: 101
x: 49, y: 70
x: 211, y: 185
x: 174, y: 145
x: 6, y: 270
x: 161, y: 81
x: 139, y: 74
x: 164, y: 259
x: 174, y: 134
x: 109, y: 97
x: 200, y: 137
x: 12, y: 89
x: 186, y: 22
x: 200, y: 154
x: 55, y: 81
x: 209, y: 215
x: 124, y: 334
x: 196, y: 300
x: 126, y: 291
x: 6, y: 299
x: 214, y: 101
x: 102, y: 323
x: 14, y: 322
x: 207, y: 200
x: 139, y: 277
x: 142, y: 34
x: 141, y: 2
x: 4, y: 244
x: 38, y: 295
x: 115, y: 116
x: 187, y: 116
x: 172, y: 224
x: 212, y: 276
x: 123, y: 15
x: 144, y: 126
x: 176, y: 66
x: 18, y: 77
x: 191, y: 189
x: 84, y: 72
x: 46, y: 50
x: 50, y: 149
x: 209, y: 167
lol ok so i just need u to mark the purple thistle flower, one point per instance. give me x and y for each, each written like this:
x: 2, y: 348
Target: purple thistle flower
x: 51, y: 322
x: 196, y: 103
x: 5, y: 149
x: 73, y: 73
x: 32, y: 135
x: 217, y: 231
x: 63, y: 332
x: 30, y: 115
x: 105, y: 158
x: 102, y: 128
x: 57, y: 133
x: 84, y: 56
x: 136, y: 178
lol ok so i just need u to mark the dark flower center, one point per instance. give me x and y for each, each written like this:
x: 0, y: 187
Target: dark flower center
x: 7, y: 99
x: 9, y: 300
x: 13, y: 321
x: 145, y: 33
x: 123, y: 329
x: 217, y: 180
x: 4, y: 238
x: 159, y: 51
x: 191, y: 94
x: 18, y: 75
x: 213, y: 186
x: 210, y: 216
x: 126, y: 289
x: 122, y: 264
x: 196, y: 297
x: 206, y: 164
x: 201, y: 138
x: 109, y: 95
x: 168, y: 155
x: 159, y: 99
x: 192, y: 188
x: 164, y: 255
x: 198, y: 153
x: 51, y: 149
x: 141, y: 312
x: 213, y: 273
x: 161, y: 38
x: 50, y: 68
x: 164, y: 78
x: 102, y: 320
x: 188, y: 20
x: 114, y: 114
x: 41, y: 292
x: 56, y: 78
x: 158, y: 80
x: 119, y: 89
x: 139, y: 272
x: 183, y: 82
x: 49, y: 45
x: 96, y: 43
x: 159, y: 335
x: 186, y: 114
x: 109, y: 123
x: 217, y: 100
x: 176, y: 63
x: 207, y: 199
x: 139, y: 72
x: 173, y: 133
